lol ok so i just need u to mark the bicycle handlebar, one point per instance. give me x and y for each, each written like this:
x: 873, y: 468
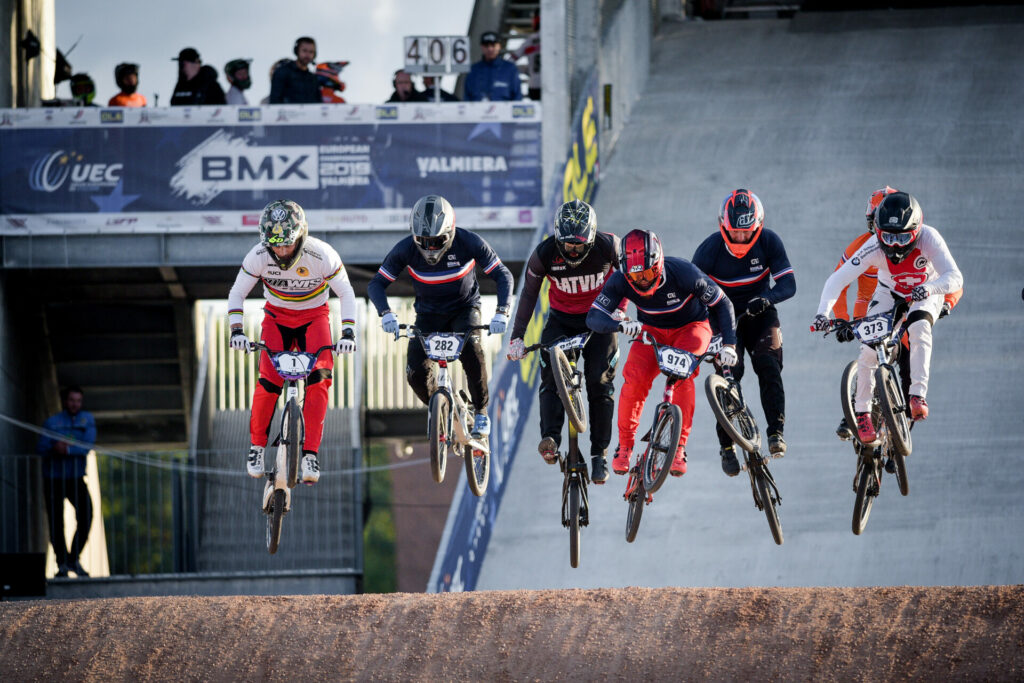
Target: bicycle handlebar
x: 645, y: 338
x: 253, y: 346
x: 413, y: 331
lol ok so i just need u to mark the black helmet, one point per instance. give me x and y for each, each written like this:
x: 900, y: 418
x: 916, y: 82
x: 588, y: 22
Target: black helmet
x: 121, y: 71
x: 433, y: 226
x: 898, y: 221
x: 575, y: 229
x: 229, y: 72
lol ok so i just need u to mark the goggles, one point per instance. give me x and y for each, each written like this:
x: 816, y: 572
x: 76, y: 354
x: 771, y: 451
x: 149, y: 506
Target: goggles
x: 432, y: 243
x: 574, y: 248
x: 644, y: 279
x: 896, y: 239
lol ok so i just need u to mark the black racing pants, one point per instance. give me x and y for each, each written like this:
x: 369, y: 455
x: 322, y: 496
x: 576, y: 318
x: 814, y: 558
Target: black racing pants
x: 761, y: 337
x: 600, y: 356
x: 422, y: 372
x: 75, y: 490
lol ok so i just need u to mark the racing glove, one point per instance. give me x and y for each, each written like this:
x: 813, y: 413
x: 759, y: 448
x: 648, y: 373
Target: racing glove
x: 757, y: 306
x: 631, y: 328
x: 239, y: 342
x: 498, y: 323
x: 346, y: 343
x: 516, y: 350
x: 920, y: 293
x: 845, y: 334
x: 820, y: 324
x: 389, y: 322
x: 946, y: 308
x: 727, y: 356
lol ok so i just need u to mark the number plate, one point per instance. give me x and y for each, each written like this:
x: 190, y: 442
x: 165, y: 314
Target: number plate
x: 436, y: 54
x: 675, y: 361
x: 716, y: 344
x: 873, y: 329
x: 573, y: 343
x: 443, y: 346
x: 294, y: 364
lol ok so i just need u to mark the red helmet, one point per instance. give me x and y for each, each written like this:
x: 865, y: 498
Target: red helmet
x: 642, y: 261
x: 741, y: 212
x: 876, y: 198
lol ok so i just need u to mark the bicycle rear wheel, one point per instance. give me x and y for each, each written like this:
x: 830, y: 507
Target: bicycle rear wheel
x: 574, y: 523
x: 274, y: 519
x: 661, y: 448
x: 894, y: 411
x: 437, y: 433
x: 848, y: 394
x: 732, y: 413
x: 866, y: 494
x: 901, y: 473
x: 291, y: 437
x: 568, y: 390
x: 764, y: 492
x: 478, y: 470
x: 635, y: 511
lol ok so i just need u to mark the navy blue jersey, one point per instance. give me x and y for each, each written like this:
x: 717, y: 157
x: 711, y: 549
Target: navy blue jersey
x: 448, y: 286
x: 686, y: 295
x: 749, y: 277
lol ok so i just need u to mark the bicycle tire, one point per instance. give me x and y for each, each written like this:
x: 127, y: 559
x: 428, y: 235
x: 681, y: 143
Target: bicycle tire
x: 478, y: 471
x: 635, y: 512
x: 437, y: 434
x: 901, y: 473
x: 274, y: 520
x: 848, y: 394
x: 575, y: 499
x: 768, y: 505
x: 729, y: 408
x: 661, y: 448
x: 864, y: 500
x: 894, y: 412
x: 290, y: 428
x: 570, y: 394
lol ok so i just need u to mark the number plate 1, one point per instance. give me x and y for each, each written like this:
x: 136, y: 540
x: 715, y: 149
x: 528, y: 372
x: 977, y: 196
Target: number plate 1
x: 675, y: 361
x: 294, y: 364
x: 443, y: 346
x: 873, y: 329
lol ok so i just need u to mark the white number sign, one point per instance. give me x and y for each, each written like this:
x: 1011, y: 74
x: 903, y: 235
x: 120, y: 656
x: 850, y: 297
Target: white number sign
x: 296, y: 363
x: 873, y: 329
x: 442, y: 346
x: 572, y: 343
x: 674, y: 361
x: 716, y: 344
x: 436, y: 54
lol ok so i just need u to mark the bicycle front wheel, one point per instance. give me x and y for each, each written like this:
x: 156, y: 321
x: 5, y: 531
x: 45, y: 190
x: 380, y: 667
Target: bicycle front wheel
x: 635, y: 512
x: 661, y: 448
x: 568, y: 389
x: 274, y: 519
x: 574, y: 523
x: 291, y: 437
x: 901, y: 472
x: 478, y: 470
x: 437, y: 434
x: 732, y: 413
x: 894, y: 411
x: 848, y: 394
x: 866, y: 494
x: 764, y: 492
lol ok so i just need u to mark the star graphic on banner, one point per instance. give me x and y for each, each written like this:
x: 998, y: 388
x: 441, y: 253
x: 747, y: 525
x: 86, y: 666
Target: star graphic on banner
x: 481, y: 128
x: 115, y: 201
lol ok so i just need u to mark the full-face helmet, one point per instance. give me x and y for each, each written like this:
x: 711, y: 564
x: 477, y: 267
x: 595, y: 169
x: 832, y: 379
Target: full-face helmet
x: 575, y: 230
x: 642, y: 261
x: 283, y: 223
x: 898, y: 220
x: 432, y: 223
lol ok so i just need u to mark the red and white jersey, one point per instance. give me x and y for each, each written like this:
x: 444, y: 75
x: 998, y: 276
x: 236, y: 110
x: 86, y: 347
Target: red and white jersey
x: 930, y: 262
x: 301, y: 287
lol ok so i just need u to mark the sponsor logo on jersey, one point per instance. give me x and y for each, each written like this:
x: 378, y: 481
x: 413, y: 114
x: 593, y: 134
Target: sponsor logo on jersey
x: 921, y: 262
x: 855, y: 261
x: 302, y: 271
x: 579, y: 283
x: 709, y: 293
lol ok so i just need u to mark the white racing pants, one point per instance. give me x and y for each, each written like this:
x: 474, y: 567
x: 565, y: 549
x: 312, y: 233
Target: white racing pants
x: 920, y: 333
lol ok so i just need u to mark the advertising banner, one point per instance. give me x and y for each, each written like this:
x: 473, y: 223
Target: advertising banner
x: 514, y: 385
x: 213, y: 169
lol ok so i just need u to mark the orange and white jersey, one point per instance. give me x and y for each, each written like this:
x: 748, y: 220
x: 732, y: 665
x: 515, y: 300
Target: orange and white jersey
x: 866, y: 282
x: 303, y: 286
x: 930, y: 262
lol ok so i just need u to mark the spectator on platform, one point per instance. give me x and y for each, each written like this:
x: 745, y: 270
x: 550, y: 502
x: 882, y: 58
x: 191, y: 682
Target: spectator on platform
x: 83, y: 90
x: 127, y: 78
x: 492, y: 78
x: 428, y: 92
x: 405, y: 91
x: 293, y: 82
x: 197, y: 84
x: 273, y: 70
x: 64, y: 477
x: 237, y: 73
x: 531, y: 50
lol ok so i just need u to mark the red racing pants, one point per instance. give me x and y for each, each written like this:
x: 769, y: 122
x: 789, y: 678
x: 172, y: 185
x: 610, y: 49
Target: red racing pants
x: 285, y: 329
x: 642, y: 367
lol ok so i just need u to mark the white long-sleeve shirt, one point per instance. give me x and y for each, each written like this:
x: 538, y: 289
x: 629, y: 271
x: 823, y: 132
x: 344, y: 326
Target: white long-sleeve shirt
x: 929, y: 263
x: 301, y: 287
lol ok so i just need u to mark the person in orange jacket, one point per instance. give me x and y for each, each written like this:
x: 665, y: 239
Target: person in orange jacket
x: 127, y: 78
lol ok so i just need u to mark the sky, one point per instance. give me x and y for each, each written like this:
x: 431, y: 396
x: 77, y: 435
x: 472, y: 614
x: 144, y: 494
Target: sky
x: 367, y: 34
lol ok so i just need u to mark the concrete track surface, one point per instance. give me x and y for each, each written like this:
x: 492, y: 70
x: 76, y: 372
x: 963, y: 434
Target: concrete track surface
x: 812, y: 114
x: 622, y: 634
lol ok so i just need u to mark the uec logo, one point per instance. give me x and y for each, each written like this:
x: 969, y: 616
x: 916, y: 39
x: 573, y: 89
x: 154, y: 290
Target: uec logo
x: 50, y: 172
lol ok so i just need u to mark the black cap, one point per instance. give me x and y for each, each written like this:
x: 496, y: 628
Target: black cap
x: 189, y: 54
x: 489, y: 37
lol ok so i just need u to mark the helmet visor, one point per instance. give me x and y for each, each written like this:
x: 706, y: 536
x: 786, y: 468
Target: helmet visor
x: 436, y: 243
x: 643, y: 279
x: 574, y: 248
x: 896, y: 239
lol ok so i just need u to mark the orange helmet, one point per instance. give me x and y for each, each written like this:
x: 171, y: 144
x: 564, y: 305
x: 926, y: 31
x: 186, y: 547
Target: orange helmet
x: 876, y: 198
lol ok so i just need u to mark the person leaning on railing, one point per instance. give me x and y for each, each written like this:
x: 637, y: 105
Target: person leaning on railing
x: 64, y: 477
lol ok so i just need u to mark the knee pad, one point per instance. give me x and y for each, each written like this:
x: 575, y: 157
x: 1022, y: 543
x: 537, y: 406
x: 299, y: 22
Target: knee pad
x: 917, y: 316
x: 319, y: 375
x: 269, y: 386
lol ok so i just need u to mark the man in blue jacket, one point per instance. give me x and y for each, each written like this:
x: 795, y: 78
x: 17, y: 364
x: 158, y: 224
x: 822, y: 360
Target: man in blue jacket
x: 64, y: 477
x: 492, y: 78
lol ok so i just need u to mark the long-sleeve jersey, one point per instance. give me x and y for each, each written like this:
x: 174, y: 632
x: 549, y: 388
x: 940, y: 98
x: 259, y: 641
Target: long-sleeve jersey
x: 866, y: 283
x: 743, y: 279
x: 301, y: 287
x: 685, y: 295
x: 448, y: 286
x: 81, y: 427
x: 930, y: 262
x: 573, y: 288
